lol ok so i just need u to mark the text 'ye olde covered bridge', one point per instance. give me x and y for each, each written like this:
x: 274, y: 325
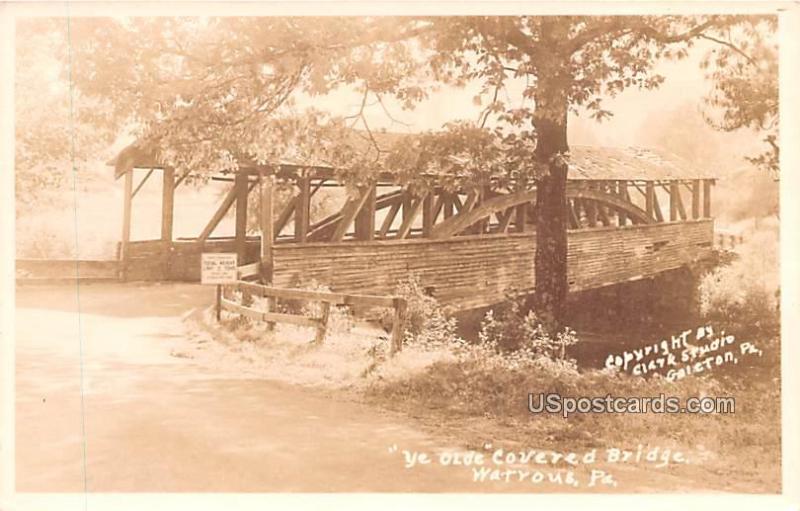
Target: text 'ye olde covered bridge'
x: 633, y: 213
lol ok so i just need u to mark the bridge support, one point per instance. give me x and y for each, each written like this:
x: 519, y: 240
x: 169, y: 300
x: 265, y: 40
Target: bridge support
x: 267, y: 227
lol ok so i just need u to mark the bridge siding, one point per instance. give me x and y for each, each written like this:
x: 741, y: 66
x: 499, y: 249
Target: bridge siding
x: 467, y: 271
x: 471, y: 271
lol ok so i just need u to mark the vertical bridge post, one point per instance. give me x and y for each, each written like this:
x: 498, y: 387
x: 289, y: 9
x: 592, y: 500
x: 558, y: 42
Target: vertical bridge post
x: 240, y: 186
x: 267, y: 228
x: 301, y: 215
x: 167, y: 215
x: 127, y: 195
x: 167, y: 203
x: 365, y: 219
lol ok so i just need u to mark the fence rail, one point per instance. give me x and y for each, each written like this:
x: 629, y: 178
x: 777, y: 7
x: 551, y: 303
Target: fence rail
x: 727, y: 240
x: 325, y: 298
x: 249, y: 271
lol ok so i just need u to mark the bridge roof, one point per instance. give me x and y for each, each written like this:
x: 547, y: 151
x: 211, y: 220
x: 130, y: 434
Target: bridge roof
x: 586, y: 162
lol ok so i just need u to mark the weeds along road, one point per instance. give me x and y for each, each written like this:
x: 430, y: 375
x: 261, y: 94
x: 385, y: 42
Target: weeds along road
x: 153, y: 422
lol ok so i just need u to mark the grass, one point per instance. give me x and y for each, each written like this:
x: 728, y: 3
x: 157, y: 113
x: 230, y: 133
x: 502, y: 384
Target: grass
x: 479, y: 405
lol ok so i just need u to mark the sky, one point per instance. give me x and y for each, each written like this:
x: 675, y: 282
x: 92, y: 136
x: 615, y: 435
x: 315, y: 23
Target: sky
x: 685, y: 83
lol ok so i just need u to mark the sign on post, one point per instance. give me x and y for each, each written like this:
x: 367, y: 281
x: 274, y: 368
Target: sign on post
x: 218, y: 268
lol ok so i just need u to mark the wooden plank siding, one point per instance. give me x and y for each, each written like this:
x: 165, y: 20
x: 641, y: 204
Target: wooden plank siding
x: 464, y: 271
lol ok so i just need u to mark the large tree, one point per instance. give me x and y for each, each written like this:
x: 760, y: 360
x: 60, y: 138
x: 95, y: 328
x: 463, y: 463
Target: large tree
x: 568, y: 63
x: 744, y: 72
x: 52, y: 136
x: 205, y: 91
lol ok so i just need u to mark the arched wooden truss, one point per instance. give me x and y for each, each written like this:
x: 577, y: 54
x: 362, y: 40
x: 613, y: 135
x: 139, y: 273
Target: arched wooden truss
x: 440, y: 214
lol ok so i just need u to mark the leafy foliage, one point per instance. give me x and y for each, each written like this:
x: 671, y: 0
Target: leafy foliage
x: 58, y: 130
x: 743, y: 296
x: 512, y: 332
x: 744, y: 73
x: 427, y: 324
x: 208, y: 93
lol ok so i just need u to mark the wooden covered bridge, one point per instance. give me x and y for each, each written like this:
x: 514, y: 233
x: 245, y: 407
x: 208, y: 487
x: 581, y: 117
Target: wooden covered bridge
x: 633, y: 213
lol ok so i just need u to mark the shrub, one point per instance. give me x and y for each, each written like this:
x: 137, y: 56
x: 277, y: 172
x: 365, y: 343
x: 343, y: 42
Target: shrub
x: 743, y: 296
x: 339, y: 318
x: 427, y: 324
x: 522, y: 335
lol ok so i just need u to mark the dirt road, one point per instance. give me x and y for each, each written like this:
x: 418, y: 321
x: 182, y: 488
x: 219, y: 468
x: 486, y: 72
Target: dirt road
x: 146, y: 420
x: 154, y: 422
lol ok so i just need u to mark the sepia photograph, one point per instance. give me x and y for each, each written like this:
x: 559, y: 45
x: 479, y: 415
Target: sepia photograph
x: 531, y: 251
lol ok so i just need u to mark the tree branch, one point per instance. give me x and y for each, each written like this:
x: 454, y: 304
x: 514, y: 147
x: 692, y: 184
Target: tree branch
x: 730, y: 45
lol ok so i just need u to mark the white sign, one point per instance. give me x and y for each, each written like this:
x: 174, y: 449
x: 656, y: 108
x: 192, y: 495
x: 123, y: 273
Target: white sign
x: 218, y: 268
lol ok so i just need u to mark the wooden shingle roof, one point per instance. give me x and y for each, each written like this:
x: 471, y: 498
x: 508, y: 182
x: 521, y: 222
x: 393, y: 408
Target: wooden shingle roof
x: 586, y: 162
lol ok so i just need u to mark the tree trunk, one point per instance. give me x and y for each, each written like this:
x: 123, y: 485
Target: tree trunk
x: 550, y: 296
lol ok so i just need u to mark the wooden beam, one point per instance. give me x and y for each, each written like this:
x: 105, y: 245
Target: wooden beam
x: 447, y: 200
x: 504, y: 219
x: 267, y: 228
x: 398, y: 324
x: 427, y: 214
x: 167, y: 204
x: 457, y: 203
x: 673, y: 202
x: 603, y: 215
x: 181, y: 179
x: 659, y: 215
x: 696, y: 199
x: 650, y: 199
x: 227, y: 202
x: 127, y: 196
x: 591, y: 213
x: 285, y: 215
x: 389, y: 218
x: 521, y: 214
x: 577, y: 206
x: 408, y: 219
x: 574, y: 221
x: 241, y: 186
x: 622, y: 191
x: 365, y: 220
x: 438, y: 205
x: 408, y: 204
x: 301, y: 216
x: 469, y: 203
x: 679, y: 202
x: 141, y: 183
x: 482, y: 224
x: 319, y: 185
x: 322, y: 326
x: 707, y: 198
x: 349, y: 212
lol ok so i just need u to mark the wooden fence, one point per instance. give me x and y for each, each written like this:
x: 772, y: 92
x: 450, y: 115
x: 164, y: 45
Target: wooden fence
x: 326, y: 299
x: 728, y: 240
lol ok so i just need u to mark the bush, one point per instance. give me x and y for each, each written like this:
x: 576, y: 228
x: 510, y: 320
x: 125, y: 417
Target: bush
x: 339, y: 318
x: 518, y: 335
x: 743, y: 296
x: 427, y: 324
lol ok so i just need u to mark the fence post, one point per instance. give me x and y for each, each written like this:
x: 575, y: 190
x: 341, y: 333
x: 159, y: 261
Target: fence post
x: 271, y: 307
x: 398, y: 325
x: 322, y: 328
x: 218, y: 302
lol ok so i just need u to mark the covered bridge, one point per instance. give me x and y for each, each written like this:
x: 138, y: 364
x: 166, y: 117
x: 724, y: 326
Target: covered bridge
x: 633, y: 213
